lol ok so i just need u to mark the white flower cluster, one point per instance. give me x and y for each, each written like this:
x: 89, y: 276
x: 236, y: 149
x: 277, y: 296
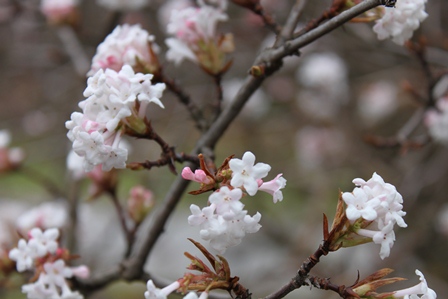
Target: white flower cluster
x: 127, y: 44
x: 39, y: 245
x: 379, y: 203
x: 420, y: 289
x: 111, y: 101
x: 437, y: 121
x: 191, y: 27
x: 400, y: 22
x: 51, y: 283
x: 9, y: 156
x: 224, y: 222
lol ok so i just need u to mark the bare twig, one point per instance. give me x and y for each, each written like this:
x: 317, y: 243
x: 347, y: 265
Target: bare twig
x: 219, y: 96
x: 196, y: 113
x: 122, y: 216
x: 291, y: 22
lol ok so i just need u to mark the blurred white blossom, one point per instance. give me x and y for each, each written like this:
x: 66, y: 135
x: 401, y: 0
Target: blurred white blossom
x: 400, y: 22
x: 437, y: 121
x: 44, y: 216
x: 323, y: 77
x: 377, y: 101
x: 316, y: 146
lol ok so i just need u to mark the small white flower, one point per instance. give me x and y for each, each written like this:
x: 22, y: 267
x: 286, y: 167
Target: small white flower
x: 44, y: 242
x: 227, y: 201
x: 420, y: 289
x: 274, y: 187
x: 245, y: 173
x: 23, y: 256
x: 155, y: 293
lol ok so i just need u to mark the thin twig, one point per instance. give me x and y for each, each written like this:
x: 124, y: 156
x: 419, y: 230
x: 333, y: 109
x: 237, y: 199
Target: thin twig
x: 219, y: 96
x: 266, y: 17
x: 195, y: 113
x: 122, y: 216
x: 291, y: 22
x: 291, y: 47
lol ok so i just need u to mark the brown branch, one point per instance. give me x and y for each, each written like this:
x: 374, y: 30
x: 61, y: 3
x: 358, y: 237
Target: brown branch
x: 122, y: 216
x: 333, y: 11
x: 300, y: 279
x: 195, y: 113
x: 219, y: 96
x: 258, y: 9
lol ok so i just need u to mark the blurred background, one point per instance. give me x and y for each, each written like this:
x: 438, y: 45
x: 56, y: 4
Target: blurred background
x: 309, y: 121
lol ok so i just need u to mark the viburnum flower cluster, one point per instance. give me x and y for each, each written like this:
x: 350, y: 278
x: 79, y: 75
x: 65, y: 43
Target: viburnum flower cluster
x: 116, y: 101
x: 225, y: 222
x: 41, y: 253
x: 373, y: 208
x: 196, y: 38
x: 127, y: 44
x: 400, y: 22
x: 437, y: 121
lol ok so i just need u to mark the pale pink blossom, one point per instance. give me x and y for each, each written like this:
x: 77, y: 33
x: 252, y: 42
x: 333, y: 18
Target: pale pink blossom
x: 56, y: 10
x: 97, y: 132
x: 127, y: 44
x: 274, y: 187
x: 419, y: 289
x: 400, y: 22
x: 190, y: 27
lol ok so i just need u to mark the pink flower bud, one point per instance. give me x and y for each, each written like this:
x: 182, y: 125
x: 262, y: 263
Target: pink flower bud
x: 140, y: 202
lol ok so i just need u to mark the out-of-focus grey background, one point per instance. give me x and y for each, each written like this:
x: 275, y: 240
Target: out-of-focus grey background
x: 314, y: 136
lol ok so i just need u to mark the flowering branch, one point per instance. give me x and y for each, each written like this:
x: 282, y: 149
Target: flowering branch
x: 271, y: 60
